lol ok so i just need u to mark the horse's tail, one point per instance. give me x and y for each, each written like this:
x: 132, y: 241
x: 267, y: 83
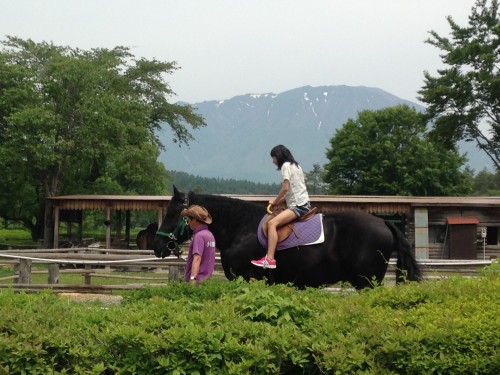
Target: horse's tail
x: 407, y: 268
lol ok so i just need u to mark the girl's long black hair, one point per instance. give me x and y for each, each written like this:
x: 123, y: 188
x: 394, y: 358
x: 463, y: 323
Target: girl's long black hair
x: 282, y: 155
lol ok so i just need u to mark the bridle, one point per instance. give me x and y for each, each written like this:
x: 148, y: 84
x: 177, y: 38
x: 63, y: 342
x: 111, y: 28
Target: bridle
x: 181, y: 228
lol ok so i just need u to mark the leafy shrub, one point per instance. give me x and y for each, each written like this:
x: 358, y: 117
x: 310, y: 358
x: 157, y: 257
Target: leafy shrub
x: 212, y: 290
x: 493, y: 270
x: 220, y: 327
x: 271, y: 306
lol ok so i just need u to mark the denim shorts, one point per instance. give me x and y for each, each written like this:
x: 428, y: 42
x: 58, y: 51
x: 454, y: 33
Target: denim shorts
x: 300, y: 211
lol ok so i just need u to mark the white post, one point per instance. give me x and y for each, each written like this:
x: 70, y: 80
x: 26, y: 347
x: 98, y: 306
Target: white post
x: 483, y: 235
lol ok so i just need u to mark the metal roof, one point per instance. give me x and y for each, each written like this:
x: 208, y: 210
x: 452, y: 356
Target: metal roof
x: 115, y: 202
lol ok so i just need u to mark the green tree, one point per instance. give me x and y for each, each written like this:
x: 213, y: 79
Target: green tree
x: 75, y: 121
x: 464, y: 97
x: 314, y: 180
x: 486, y: 184
x: 387, y: 152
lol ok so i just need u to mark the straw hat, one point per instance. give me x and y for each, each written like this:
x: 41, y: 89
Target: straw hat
x: 199, y: 213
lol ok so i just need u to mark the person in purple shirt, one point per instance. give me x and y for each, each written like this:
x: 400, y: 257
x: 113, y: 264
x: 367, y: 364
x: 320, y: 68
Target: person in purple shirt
x: 201, y: 257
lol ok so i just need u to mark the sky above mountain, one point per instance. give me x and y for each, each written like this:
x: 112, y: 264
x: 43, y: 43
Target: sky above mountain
x: 227, y: 47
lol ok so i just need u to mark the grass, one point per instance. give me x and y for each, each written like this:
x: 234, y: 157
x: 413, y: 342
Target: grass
x: 16, y: 237
x: 23, y: 237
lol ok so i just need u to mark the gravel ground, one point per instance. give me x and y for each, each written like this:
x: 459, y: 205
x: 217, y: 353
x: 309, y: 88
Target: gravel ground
x: 90, y: 297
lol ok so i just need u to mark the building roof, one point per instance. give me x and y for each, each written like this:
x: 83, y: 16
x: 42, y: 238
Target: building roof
x: 462, y: 220
x: 115, y: 202
x: 390, y: 204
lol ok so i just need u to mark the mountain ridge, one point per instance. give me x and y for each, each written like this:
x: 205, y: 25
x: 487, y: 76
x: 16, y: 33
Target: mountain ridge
x: 241, y: 131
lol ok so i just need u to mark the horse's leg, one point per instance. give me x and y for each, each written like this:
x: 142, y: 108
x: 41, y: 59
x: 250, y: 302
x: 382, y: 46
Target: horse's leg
x: 361, y: 281
x: 407, y: 267
x: 271, y: 276
x: 236, y: 258
x: 226, y: 267
x: 361, y: 252
x: 370, y: 269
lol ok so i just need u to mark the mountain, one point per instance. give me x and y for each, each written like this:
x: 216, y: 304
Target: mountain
x: 241, y: 131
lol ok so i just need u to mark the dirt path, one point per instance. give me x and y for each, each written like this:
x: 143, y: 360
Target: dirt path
x: 90, y: 297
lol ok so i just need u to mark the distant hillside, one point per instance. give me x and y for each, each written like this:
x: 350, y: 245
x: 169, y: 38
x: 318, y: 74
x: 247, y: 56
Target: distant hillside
x: 213, y: 185
x: 241, y: 131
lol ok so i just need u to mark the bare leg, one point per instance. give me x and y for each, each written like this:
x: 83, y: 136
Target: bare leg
x: 282, y: 218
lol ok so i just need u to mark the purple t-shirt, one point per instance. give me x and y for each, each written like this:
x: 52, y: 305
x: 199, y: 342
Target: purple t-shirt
x: 202, y: 243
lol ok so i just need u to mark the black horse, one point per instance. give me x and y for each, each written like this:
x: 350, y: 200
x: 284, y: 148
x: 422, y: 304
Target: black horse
x: 146, y: 237
x: 356, y: 249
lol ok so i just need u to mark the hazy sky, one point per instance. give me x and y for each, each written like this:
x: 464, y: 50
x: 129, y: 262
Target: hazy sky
x: 233, y: 47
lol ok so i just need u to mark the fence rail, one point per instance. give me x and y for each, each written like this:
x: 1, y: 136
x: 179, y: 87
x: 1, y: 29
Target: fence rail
x: 92, y: 259
x: 171, y: 268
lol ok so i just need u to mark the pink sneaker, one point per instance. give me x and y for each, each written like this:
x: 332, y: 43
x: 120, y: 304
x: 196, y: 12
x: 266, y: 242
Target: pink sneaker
x: 264, y: 263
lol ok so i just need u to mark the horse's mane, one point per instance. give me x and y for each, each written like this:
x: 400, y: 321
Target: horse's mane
x: 228, y: 205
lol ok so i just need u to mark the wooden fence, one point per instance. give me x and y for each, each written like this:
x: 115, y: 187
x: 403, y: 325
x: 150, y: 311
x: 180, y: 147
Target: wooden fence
x: 103, y: 263
x: 91, y: 263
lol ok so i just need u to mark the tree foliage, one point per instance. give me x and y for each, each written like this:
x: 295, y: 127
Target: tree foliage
x: 314, y: 180
x: 75, y: 121
x: 213, y: 185
x: 486, y: 183
x: 387, y: 152
x: 464, y: 97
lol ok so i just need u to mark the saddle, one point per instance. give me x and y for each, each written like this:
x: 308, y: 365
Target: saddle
x: 286, y: 230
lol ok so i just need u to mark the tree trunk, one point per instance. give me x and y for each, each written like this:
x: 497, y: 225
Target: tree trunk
x: 51, y: 189
x: 48, y: 233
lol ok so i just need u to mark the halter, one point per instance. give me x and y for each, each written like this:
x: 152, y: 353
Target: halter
x: 180, y: 229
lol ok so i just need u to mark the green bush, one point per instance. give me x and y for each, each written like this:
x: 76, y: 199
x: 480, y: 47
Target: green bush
x: 492, y: 270
x: 220, y: 327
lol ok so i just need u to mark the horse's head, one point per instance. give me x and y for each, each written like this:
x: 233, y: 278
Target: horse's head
x: 174, y: 230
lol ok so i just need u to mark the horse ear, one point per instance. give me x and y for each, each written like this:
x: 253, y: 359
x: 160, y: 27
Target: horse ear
x: 176, y: 192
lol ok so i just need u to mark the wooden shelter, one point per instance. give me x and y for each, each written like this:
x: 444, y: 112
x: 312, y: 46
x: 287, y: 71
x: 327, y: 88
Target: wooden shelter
x: 69, y: 208
x: 438, y: 227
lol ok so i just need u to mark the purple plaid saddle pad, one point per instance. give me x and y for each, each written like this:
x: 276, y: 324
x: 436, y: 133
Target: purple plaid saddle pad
x: 308, y: 232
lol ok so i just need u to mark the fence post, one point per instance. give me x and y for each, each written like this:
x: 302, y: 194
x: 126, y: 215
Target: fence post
x: 88, y: 269
x: 53, y: 273
x: 24, y: 271
x: 173, y: 273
